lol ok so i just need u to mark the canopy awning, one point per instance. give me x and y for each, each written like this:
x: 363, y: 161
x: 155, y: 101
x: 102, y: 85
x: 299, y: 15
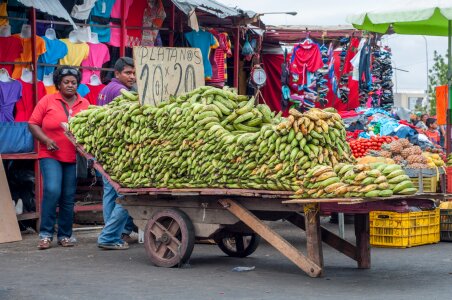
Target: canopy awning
x: 416, y: 21
x: 213, y: 7
x: 52, y: 7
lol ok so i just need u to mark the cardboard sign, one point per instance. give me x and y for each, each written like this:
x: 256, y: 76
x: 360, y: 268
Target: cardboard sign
x: 163, y: 72
x: 9, y: 228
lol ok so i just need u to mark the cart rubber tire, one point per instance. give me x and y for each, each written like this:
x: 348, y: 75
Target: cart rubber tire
x: 169, y: 238
x: 249, y: 244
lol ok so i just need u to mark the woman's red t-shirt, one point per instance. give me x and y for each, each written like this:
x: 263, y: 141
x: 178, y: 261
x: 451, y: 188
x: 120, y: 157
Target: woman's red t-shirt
x: 49, y: 114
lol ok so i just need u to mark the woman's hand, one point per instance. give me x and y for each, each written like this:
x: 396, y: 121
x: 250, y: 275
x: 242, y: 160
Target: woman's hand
x: 51, y: 145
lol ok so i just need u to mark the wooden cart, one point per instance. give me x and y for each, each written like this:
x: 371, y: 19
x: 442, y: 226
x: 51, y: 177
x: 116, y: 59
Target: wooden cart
x: 172, y: 218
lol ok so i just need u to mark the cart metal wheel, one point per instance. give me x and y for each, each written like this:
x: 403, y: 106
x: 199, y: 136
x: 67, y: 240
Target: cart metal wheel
x: 238, y: 244
x: 169, y: 238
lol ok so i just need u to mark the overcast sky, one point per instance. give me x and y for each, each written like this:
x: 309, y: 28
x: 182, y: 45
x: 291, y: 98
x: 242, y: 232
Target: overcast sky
x: 409, y: 52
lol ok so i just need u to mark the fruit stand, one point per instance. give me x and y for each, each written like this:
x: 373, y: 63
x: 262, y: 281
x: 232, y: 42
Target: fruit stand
x: 214, y: 164
x: 172, y: 218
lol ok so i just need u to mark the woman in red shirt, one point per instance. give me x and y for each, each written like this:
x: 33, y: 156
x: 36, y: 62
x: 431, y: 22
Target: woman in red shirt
x: 57, y: 155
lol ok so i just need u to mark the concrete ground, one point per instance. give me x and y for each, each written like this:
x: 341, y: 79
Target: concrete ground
x: 86, y: 272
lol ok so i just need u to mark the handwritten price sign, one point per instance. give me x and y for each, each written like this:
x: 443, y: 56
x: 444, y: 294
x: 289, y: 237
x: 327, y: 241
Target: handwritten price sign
x: 163, y: 72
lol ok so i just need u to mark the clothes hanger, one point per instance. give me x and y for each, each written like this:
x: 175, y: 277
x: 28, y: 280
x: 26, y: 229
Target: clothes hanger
x: 48, y: 80
x: 27, y: 76
x: 94, y: 38
x: 5, y: 30
x: 94, y: 80
x: 25, y: 33
x: 4, y: 76
x: 50, y: 33
x: 73, y: 37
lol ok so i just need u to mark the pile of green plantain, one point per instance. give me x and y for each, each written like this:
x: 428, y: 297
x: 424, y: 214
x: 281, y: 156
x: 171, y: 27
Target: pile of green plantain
x: 209, y: 138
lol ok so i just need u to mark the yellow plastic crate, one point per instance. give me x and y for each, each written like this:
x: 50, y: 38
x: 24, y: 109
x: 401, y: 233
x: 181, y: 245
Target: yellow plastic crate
x: 403, y: 230
x: 429, y: 184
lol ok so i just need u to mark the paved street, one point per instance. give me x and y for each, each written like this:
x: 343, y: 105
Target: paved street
x: 86, y: 272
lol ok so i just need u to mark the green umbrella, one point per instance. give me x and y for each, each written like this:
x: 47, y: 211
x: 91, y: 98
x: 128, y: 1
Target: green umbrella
x: 435, y: 21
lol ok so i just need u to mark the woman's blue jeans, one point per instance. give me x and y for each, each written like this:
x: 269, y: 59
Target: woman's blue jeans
x: 60, y: 183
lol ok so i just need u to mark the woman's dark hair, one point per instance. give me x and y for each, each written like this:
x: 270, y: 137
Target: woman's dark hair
x: 430, y: 121
x: 122, y: 62
x: 62, y: 72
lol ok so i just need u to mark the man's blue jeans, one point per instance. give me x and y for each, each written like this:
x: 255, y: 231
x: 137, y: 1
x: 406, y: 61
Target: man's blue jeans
x: 117, y: 220
x: 60, y: 183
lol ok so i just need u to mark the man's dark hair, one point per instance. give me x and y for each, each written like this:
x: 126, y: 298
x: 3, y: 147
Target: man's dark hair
x: 122, y: 62
x: 62, y: 72
x: 430, y: 121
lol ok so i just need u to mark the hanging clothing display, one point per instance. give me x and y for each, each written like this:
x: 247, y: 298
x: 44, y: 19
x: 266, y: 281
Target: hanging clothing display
x: 97, y: 56
x: 77, y: 52
x: 3, y: 13
x: 306, y: 57
x: 218, y: 59
x: 10, y: 50
x: 10, y: 93
x: 94, y: 91
x: 135, y: 19
x: 115, y: 17
x: 333, y: 94
x: 205, y: 41
x: 100, y: 14
x: 19, y: 11
x: 55, y: 50
x: 25, y: 105
x: 26, y: 54
x: 50, y: 89
x: 153, y: 16
x: 83, y: 89
x: 82, y: 11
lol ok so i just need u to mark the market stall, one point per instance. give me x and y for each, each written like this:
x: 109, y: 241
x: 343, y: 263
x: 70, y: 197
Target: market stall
x: 326, y: 66
x: 37, y: 36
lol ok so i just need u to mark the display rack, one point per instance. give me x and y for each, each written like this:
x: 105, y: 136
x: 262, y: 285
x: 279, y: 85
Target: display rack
x: 174, y: 15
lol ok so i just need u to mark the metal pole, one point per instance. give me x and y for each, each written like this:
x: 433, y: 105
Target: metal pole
x: 341, y: 222
x: 426, y: 62
x: 449, y: 82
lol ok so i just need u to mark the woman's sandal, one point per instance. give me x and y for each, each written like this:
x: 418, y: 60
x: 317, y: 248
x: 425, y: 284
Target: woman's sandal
x: 65, y: 242
x: 44, y: 244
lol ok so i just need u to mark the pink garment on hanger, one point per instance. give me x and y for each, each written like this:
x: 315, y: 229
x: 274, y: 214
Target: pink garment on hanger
x: 115, y: 36
x: 98, y: 55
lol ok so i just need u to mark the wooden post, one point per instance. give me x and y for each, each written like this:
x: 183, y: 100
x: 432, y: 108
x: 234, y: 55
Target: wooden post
x: 236, y: 56
x: 313, y: 233
x: 273, y: 238
x: 172, y: 25
x: 362, y: 234
x: 123, y: 36
x: 328, y: 237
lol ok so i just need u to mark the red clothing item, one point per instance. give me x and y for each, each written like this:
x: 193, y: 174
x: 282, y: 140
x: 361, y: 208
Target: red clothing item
x: 94, y: 91
x: 25, y: 105
x: 10, y: 50
x: 353, y: 96
x: 49, y: 114
x: 433, y: 136
x: 351, y: 52
x: 135, y: 19
x: 305, y: 58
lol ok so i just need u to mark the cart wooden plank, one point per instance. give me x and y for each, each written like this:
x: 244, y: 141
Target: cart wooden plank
x: 328, y: 237
x: 313, y: 235
x: 273, y: 238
